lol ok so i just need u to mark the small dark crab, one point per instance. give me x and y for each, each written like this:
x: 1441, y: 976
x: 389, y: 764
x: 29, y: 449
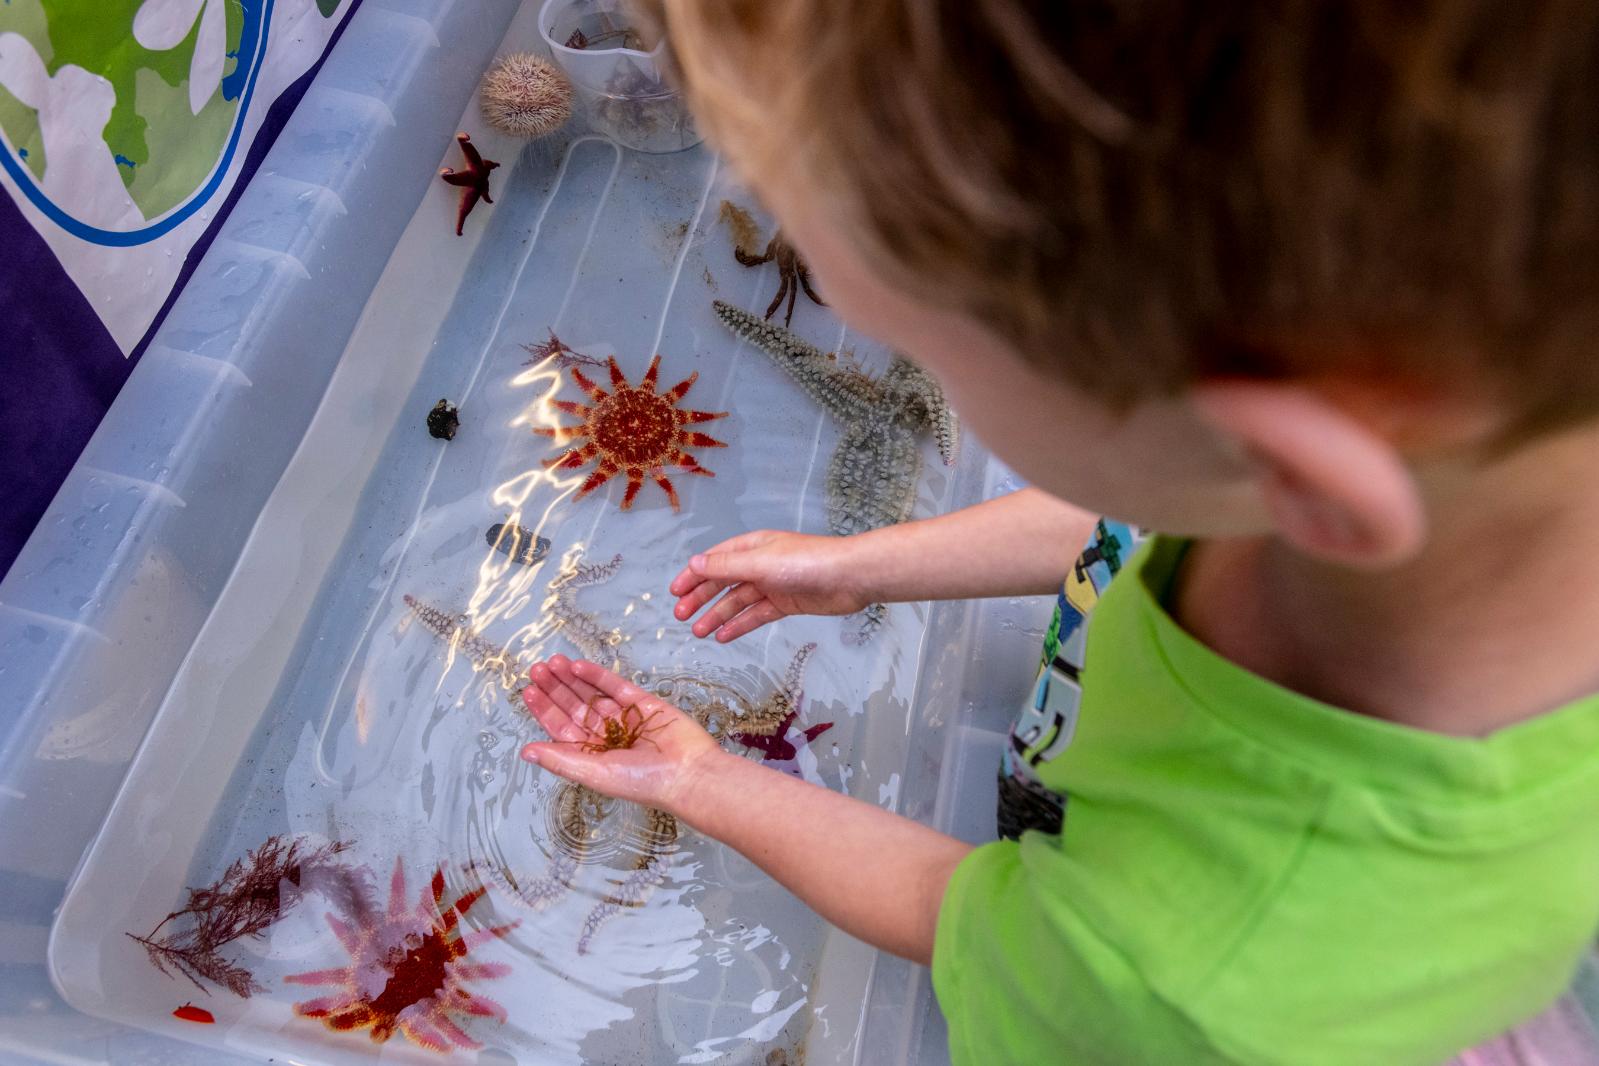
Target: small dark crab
x: 793, y: 275
x: 620, y: 731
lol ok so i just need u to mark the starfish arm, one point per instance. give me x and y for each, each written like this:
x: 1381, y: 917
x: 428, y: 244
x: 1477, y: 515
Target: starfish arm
x: 559, y: 434
x: 652, y: 376
x: 322, y: 1007
x: 478, y: 1006
x: 594, y: 574
x: 815, y: 731
x: 421, y: 1031
x: 635, y: 481
x: 357, y: 1016
x: 601, y: 913
x: 397, y: 891
x: 463, y: 905
x: 684, y: 460
x: 570, y: 460
x: 701, y: 440
x: 947, y: 432
x: 803, y: 361
x: 918, y: 393
x: 571, y: 407
x: 552, y: 886
x: 618, y: 379
x: 474, y: 160
x: 872, y: 478
x: 670, y: 490
x: 453, y: 1033
x: 692, y: 417
x: 595, y: 480
x: 481, y: 971
x: 350, y: 938
x: 594, y: 391
x: 321, y: 977
x: 457, y: 177
x: 796, y: 673
x: 469, y: 199
x: 680, y: 390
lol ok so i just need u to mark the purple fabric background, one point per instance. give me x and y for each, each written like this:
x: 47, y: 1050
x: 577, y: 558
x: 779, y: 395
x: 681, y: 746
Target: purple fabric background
x: 59, y: 368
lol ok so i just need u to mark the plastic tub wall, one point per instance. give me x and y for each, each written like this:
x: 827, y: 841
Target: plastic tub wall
x: 106, y: 597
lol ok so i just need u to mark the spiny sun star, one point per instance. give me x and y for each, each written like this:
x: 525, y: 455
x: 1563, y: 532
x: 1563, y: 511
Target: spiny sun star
x: 632, y: 429
x: 408, y: 970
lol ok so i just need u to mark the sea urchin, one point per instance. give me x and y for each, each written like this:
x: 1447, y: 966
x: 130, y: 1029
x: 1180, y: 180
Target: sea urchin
x: 524, y: 95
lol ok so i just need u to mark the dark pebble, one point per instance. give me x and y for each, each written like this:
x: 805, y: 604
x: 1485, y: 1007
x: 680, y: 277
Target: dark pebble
x: 443, y: 420
x: 518, y: 542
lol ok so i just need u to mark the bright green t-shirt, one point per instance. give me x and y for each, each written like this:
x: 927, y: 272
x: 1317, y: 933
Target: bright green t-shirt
x: 1245, y: 875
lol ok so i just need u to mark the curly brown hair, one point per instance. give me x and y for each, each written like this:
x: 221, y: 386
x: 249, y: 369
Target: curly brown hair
x: 1139, y: 194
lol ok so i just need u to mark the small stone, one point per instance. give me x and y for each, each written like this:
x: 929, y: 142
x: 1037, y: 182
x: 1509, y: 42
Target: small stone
x: 444, y: 420
x: 519, y: 542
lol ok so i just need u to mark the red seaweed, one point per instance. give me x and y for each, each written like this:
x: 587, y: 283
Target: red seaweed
x: 252, y: 894
x: 566, y: 356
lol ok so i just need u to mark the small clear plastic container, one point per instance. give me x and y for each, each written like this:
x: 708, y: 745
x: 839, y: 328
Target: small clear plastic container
x: 619, y: 84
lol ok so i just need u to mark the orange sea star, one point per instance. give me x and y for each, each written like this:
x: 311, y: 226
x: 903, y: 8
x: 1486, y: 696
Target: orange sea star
x: 407, y: 970
x: 633, y: 430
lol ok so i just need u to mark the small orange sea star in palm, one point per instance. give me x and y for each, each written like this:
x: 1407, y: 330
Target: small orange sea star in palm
x: 632, y: 429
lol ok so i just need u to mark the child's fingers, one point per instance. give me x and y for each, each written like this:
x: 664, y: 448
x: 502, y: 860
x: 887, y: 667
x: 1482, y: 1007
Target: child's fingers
x: 559, y: 692
x: 561, y: 666
x: 687, y: 582
x: 574, y: 765
x: 736, y: 600
x: 556, y: 722
x: 690, y: 602
x: 619, y: 688
x: 730, y: 567
x: 748, y: 621
x: 690, y: 576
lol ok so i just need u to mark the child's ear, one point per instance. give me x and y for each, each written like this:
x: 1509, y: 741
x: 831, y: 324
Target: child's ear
x: 1335, y: 488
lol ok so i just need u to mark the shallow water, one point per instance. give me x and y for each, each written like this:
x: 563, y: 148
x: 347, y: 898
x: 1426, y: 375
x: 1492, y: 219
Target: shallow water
x: 394, y: 727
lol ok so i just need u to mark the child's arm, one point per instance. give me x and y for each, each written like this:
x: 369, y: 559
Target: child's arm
x: 873, y: 874
x: 1016, y: 545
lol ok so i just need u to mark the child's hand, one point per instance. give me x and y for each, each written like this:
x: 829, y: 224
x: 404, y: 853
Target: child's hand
x: 575, y: 701
x: 767, y: 575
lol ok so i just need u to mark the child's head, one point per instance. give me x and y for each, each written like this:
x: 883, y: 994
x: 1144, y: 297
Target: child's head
x: 1213, y: 267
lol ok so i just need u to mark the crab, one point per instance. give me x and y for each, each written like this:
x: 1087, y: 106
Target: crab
x: 620, y: 731
x: 793, y: 275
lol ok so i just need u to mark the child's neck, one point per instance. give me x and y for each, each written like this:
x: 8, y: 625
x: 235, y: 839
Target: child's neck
x: 1496, y: 621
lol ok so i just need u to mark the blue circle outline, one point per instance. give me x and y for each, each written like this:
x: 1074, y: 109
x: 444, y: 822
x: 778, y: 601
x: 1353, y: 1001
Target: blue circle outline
x: 128, y: 238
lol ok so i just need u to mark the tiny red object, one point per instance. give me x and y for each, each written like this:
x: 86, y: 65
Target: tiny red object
x: 190, y: 1013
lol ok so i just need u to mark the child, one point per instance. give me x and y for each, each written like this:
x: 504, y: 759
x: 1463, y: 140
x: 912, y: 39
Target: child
x: 1313, y: 287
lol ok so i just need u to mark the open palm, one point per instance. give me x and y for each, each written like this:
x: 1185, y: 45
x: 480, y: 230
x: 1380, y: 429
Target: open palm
x: 764, y: 576
x: 611, y: 735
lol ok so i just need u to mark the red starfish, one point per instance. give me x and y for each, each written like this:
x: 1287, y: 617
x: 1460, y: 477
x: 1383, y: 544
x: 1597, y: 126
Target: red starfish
x: 474, y: 180
x: 777, y: 747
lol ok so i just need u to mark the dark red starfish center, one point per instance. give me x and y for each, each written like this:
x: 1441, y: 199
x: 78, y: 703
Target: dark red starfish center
x: 636, y: 427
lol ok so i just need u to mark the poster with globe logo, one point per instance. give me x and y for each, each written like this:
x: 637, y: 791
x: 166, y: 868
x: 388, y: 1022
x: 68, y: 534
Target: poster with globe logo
x: 125, y: 123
